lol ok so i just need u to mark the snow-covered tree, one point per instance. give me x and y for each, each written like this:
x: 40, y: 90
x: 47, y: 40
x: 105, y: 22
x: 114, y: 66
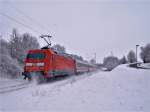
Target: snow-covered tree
x: 110, y: 62
x: 9, y: 67
x: 76, y: 57
x: 59, y: 48
x: 4, y: 47
x: 28, y: 42
x: 93, y: 61
x: 13, y: 52
x: 145, y: 53
x: 20, y: 44
x: 131, y: 57
x: 15, y: 44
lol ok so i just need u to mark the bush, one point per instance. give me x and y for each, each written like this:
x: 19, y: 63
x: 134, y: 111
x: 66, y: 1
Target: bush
x: 9, y: 67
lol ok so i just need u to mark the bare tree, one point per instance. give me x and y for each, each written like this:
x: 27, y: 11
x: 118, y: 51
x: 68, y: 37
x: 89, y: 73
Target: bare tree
x: 15, y: 44
x: 20, y: 44
x: 76, y: 57
x: 12, y: 53
x: 59, y: 48
x: 28, y: 42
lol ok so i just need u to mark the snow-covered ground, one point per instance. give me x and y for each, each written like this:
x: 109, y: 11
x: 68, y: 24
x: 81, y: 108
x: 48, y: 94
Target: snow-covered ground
x: 122, y: 90
x: 145, y: 65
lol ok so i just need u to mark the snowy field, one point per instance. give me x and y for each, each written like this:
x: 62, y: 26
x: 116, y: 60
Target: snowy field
x: 121, y: 90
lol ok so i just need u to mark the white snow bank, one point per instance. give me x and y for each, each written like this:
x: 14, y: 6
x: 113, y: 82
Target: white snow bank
x: 145, y: 65
x: 122, y: 90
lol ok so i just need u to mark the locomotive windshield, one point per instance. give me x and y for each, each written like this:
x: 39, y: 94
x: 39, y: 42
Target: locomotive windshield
x: 36, y: 56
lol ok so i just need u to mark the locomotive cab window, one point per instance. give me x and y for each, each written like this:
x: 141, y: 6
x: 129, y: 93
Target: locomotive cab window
x: 36, y: 56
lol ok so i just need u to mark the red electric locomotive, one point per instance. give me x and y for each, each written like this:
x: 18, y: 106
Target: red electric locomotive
x: 46, y: 63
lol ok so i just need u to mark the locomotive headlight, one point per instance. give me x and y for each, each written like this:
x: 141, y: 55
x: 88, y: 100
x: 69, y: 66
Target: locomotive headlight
x: 29, y: 64
x: 40, y: 64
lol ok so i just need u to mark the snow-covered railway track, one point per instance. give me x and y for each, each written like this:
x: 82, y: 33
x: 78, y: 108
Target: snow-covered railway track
x: 13, y: 87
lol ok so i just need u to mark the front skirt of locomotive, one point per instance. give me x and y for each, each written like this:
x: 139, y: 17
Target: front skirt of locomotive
x: 33, y: 75
x: 27, y: 75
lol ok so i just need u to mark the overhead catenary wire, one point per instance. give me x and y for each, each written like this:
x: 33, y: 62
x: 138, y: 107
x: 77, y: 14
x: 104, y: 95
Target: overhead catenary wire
x: 28, y: 17
x: 18, y: 22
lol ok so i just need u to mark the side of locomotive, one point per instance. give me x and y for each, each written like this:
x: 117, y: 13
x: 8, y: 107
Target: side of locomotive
x: 62, y: 65
x: 46, y: 64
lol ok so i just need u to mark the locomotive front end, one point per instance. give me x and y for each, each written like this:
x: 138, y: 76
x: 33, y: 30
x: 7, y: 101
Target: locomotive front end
x: 36, y: 65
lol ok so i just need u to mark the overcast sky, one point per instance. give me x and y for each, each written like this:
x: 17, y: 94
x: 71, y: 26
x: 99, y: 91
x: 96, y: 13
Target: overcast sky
x: 84, y: 27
